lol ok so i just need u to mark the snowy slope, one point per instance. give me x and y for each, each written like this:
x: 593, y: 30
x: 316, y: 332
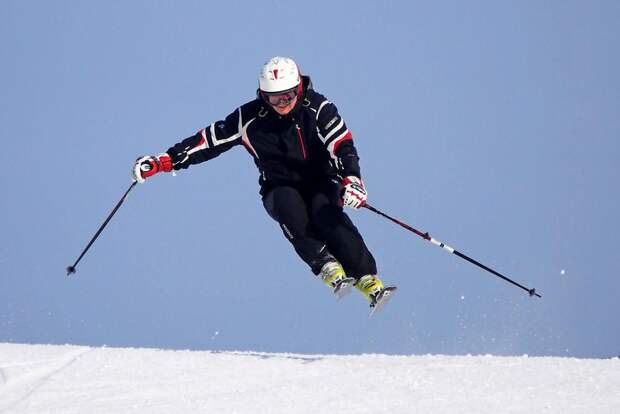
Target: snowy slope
x: 74, y: 379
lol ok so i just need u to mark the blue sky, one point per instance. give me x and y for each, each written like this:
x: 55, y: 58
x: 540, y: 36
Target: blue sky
x: 492, y: 125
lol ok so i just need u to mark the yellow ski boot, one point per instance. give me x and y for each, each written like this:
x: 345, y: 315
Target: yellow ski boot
x: 333, y: 275
x: 373, y: 290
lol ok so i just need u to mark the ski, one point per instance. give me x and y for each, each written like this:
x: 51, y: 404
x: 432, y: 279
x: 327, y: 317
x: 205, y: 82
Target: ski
x: 382, y: 299
x: 344, y: 287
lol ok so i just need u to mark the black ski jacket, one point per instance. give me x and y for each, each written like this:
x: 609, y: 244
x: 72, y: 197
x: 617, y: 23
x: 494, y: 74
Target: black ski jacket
x: 312, y: 142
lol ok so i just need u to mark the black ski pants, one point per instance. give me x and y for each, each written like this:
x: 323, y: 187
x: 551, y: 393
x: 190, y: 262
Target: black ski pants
x: 313, y: 221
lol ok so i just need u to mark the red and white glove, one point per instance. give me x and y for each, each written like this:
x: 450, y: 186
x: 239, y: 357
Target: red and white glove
x: 149, y: 165
x: 355, y: 194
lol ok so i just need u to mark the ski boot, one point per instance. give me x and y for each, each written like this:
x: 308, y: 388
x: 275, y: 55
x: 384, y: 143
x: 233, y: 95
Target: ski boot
x: 373, y: 290
x: 333, y: 275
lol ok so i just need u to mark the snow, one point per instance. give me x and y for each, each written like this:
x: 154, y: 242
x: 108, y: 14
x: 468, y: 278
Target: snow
x: 78, y: 379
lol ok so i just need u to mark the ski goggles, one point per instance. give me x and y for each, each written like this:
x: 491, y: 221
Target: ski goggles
x: 282, y: 97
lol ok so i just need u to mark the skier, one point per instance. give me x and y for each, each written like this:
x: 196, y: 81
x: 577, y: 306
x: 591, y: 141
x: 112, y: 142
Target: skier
x: 308, y: 170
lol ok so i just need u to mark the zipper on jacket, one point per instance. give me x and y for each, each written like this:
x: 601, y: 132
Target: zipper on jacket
x: 301, y: 141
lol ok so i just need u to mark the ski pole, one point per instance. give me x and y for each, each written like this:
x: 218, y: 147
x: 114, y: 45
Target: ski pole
x: 71, y: 269
x: 427, y: 236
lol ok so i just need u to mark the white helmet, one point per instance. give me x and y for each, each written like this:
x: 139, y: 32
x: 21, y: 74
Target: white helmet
x: 279, y: 74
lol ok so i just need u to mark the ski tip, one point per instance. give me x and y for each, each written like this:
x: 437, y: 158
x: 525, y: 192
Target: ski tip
x: 70, y: 270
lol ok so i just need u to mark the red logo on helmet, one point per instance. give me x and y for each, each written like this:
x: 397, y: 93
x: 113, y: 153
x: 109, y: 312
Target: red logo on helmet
x: 275, y: 73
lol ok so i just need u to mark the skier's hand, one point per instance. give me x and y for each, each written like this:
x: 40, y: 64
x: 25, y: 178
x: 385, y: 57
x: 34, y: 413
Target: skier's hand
x: 355, y: 194
x: 149, y: 165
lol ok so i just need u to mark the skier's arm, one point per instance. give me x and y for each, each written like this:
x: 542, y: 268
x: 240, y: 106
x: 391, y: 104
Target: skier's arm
x: 207, y: 143
x: 338, y: 140
x: 339, y: 143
